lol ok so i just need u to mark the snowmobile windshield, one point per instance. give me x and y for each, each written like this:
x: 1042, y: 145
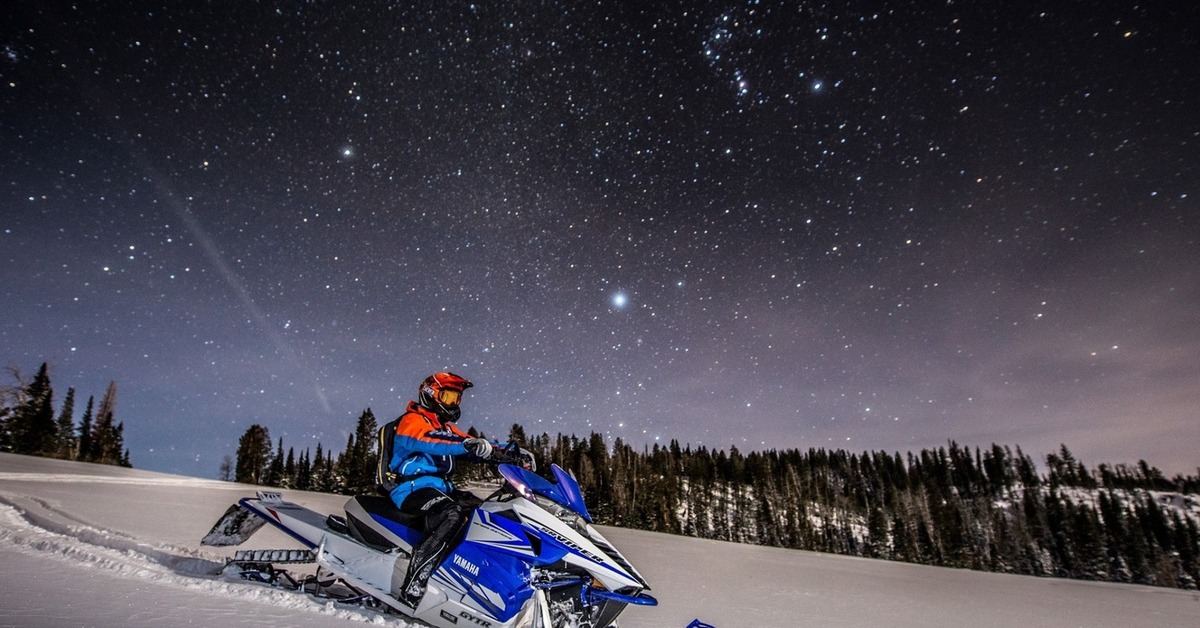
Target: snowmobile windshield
x: 565, y: 493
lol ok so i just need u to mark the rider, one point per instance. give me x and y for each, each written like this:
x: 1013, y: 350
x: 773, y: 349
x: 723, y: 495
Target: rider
x: 426, y: 443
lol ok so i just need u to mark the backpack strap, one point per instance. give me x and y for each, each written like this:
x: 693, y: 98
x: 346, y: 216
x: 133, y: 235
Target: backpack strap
x: 385, y: 478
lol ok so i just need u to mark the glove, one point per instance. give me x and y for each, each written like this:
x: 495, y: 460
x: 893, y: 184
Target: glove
x: 478, y: 447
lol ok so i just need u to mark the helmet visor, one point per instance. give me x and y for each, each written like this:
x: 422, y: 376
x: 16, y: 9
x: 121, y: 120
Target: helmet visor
x: 447, y: 396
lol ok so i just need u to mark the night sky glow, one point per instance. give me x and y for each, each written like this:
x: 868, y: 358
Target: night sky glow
x: 766, y: 224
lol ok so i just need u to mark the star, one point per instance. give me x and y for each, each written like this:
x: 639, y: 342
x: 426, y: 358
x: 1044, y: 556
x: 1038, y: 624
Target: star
x: 753, y: 197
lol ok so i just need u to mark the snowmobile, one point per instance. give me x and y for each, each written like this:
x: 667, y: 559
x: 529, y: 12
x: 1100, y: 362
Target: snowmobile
x: 530, y: 557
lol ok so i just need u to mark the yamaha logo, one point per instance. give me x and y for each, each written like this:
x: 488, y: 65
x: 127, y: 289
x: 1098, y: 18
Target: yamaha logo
x: 466, y: 565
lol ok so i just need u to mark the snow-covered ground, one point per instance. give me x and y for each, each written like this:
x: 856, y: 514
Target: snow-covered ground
x: 91, y: 545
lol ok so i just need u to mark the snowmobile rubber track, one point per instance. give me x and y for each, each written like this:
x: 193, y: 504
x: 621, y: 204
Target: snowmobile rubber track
x: 274, y: 556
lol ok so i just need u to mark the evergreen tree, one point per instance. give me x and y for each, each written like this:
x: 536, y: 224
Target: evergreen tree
x: 275, y: 468
x: 31, y: 427
x: 289, y: 469
x: 1112, y: 514
x: 107, y: 440
x: 878, y: 534
x: 253, y: 456
x: 516, y: 434
x: 358, y: 462
x: 86, y: 450
x: 331, y: 478
x: 317, y: 482
x: 10, y: 397
x: 65, y: 430
x: 304, y: 472
x: 1189, y: 552
x: 324, y: 476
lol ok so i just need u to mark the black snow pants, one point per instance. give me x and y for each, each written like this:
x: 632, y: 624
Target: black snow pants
x: 444, y: 519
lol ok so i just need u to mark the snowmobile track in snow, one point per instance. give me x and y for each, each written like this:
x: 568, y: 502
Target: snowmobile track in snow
x: 38, y: 528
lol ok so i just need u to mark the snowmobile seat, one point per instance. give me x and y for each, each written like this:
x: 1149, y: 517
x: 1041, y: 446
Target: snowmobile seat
x: 376, y: 506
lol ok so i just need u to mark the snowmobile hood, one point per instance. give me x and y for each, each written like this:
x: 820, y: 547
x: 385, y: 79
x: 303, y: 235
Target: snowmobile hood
x: 565, y: 491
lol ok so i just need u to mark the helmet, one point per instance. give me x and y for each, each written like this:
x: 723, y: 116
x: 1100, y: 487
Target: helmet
x: 441, y: 393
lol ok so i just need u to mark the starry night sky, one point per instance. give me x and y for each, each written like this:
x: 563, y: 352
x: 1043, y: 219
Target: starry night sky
x: 852, y: 225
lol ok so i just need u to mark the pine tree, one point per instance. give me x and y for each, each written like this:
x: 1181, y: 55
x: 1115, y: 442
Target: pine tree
x: 275, y: 469
x: 878, y: 534
x: 253, y: 455
x: 324, y: 477
x: 516, y: 435
x: 65, y: 431
x: 86, y: 449
x: 107, y: 435
x: 316, y: 481
x: 31, y: 428
x: 289, y: 470
x: 304, y: 472
x: 1189, y: 538
x: 10, y: 397
x: 359, y: 473
x: 330, y: 477
x: 1112, y: 514
x: 119, y: 446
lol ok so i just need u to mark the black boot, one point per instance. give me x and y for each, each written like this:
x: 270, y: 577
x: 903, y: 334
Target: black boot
x: 427, y: 556
x: 413, y: 588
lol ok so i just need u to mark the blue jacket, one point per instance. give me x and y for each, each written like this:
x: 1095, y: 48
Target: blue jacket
x: 424, y: 451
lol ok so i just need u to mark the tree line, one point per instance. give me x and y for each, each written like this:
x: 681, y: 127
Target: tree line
x: 351, y: 472
x: 29, y: 424
x: 259, y: 461
x: 989, y: 509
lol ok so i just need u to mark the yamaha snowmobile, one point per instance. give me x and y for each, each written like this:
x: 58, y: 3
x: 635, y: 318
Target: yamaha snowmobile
x: 530, y: 557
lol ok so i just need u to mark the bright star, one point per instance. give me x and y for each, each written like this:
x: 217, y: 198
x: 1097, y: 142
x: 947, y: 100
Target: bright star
x: 619, y: 300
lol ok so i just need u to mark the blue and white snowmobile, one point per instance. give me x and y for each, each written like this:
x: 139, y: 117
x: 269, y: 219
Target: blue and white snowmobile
x: 530, y: 557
